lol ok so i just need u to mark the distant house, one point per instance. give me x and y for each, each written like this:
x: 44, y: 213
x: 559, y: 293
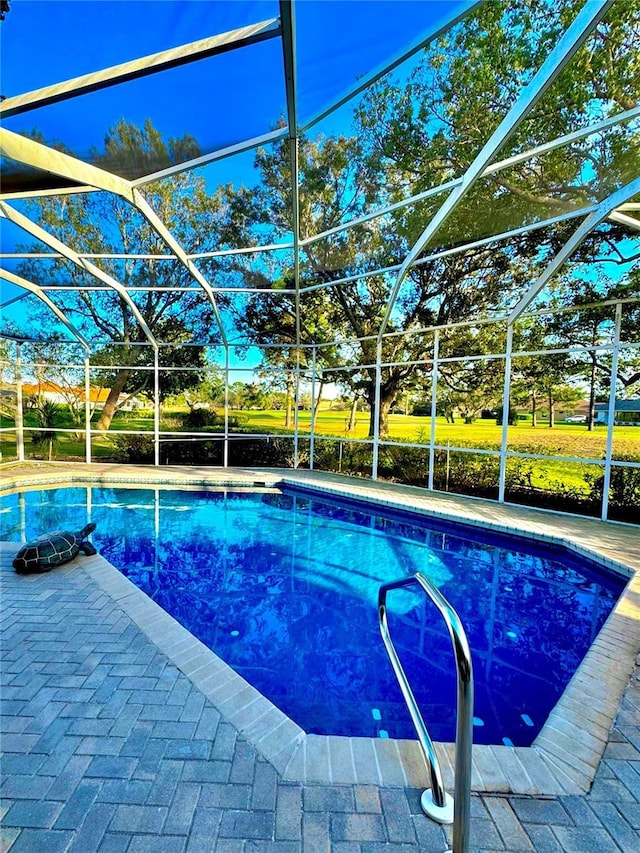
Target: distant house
x: 627, y: 413
x: 577, y: 413
x: 76, y: 396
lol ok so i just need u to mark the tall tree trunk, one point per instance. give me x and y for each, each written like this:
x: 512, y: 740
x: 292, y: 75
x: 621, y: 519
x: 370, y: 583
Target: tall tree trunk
x: 534, y: 409
x: 592, y: 393
x: 314, y: 413
x: 111, y: 406
x: 352, y: 415
x: 552, y: 411
x: 288, y: 417
x: 386, y: 401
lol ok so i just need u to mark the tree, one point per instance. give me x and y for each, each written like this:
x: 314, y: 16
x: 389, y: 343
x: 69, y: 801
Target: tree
x: 106, y: 224
x: 131, y: 373
x: 280, y: 375
x: 415, y: 133
x: 591, y: 325
x: 538, y: 378
x: 461, y: 284
x: 208, y: 392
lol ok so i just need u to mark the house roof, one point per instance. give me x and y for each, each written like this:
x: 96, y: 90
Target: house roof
x: 621, y: 406
x: 96, y: 395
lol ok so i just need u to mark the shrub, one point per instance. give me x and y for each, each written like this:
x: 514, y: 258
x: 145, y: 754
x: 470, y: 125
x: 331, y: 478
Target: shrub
x: 513, y: 416
x: 133, y: 448
x: 261, y: 453
x: 409, y: 465
x: 624, y: 491
x: 48, y: 415
x: 192, y: 451
x: 468, y: 473
x: 237, y: 421
x: 202, y: 418
x: 356, y: 458
x: 519, y: 474
x: 422, y: 411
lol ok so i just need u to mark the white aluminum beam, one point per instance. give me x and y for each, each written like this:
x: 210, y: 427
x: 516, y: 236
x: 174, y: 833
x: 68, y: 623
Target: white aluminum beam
x: 602, y: 211
x: 12, y: 300
x: 47, y: 159
x: 247, y: 250
x: 141, y: 67
x: 566, y: 48
x: 33, y: 288
x: 66, y: 251
x: 220, y: 154
x: 240, y: 291
x: 102, y: 256
x: 623, y: 219
x: 19, y: 416
x: 611, y: 412
x: 289, y: 60
x: 45, y: 193
x: 139, y: 256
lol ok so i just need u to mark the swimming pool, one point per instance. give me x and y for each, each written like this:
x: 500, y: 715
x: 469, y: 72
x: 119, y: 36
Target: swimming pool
x: 283, y: 586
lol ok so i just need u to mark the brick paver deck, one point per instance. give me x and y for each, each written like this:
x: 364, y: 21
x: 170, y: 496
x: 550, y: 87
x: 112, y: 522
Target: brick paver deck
x: 108, y: 747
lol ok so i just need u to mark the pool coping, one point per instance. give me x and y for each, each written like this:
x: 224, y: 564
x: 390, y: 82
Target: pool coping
x: 566, y: 753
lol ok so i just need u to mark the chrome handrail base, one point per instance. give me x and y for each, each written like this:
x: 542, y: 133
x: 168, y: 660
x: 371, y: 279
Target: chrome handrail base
x: 441, y: 814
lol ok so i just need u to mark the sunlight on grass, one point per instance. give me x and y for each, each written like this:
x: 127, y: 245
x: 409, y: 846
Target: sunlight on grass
x: 573, y: 440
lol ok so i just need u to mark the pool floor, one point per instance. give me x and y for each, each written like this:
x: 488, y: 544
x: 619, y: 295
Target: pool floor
x: 283, y: 586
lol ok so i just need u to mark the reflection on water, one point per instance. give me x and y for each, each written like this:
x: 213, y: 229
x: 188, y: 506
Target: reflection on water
x: 284, y: 587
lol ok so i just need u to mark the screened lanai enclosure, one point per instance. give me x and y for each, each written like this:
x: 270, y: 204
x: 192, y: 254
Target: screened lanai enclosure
x: 397, y: 240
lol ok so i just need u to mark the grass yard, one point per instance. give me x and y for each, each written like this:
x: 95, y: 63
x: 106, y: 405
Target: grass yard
x: 572, y: 440
x: 562, y: 440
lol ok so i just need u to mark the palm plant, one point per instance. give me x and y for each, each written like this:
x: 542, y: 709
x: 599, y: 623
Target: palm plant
x: 47, y: 413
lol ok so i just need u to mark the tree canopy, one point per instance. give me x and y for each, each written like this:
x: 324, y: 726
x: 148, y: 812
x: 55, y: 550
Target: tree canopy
x: 172, y: 306
x: 414, y: 132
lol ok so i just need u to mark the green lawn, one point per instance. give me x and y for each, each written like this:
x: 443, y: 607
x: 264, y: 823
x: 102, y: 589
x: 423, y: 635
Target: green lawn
x: 563, y: 440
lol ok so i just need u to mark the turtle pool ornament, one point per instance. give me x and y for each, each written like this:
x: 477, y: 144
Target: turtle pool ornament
x: 52, y: 549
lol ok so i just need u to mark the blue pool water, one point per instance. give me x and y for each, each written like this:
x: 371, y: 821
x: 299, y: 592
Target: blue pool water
x: 283, y: 586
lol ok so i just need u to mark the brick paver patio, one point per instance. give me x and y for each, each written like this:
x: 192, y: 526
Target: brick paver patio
x: 108, y: 747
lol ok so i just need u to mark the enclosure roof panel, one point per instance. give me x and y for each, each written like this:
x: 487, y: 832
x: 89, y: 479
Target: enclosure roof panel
x: 67, y: 39
x: 207, y: 76
x: 368, y: 138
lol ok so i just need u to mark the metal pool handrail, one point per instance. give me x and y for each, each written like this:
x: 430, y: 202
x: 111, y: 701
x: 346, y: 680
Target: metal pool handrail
x: 435, y: 802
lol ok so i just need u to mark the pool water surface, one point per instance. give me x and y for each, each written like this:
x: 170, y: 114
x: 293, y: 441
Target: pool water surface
x: 283, y: 586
